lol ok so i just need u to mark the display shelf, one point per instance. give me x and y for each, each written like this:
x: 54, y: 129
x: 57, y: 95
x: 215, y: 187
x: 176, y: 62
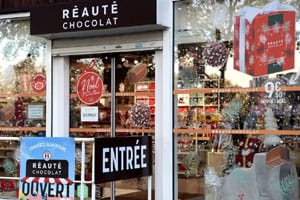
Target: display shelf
x: 23, y: 95
x: 22, y: 128
x: 144, y: 93
x: 7, y: 148
x: 235, y: 131
x: 231, y: 90
x: 123, y: 94
x: 199, y: 98
x: 108, y: 130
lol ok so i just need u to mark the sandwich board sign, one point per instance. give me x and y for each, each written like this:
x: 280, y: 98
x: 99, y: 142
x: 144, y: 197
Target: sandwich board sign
x: 47, y: 168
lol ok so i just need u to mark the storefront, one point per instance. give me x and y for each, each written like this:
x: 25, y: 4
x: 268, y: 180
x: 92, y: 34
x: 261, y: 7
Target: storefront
x: 236, y: 94
x: 219, y: 95
x: 116, y: 59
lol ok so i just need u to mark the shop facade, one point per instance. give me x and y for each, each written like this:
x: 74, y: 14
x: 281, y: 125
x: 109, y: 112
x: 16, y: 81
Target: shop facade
x: 236, y: 86
x: 171, y: 70
x: 104, y: 45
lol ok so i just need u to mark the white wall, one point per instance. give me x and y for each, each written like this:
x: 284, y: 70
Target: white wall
x: 164, y: 111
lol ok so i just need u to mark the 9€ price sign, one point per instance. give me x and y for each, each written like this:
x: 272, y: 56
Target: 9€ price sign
x: 273, y: 91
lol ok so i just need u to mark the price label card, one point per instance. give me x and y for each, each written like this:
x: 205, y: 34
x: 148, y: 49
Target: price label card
x: 89, y: 114
x: 274, y: 94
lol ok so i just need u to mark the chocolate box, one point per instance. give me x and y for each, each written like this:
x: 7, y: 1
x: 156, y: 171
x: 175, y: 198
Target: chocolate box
x: 137, y: 73
x: 266, y: 44
x: 277, y: 156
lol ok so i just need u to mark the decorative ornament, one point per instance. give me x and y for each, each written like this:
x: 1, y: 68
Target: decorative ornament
x: 89, y: 87
x: 191, y: 162
x: 219, y: 15
x: 78, y: 154
x: 9, y: 167
x: 212, y: 178
x: 140, y: 115
x: 215, y: 54
x: 38, y: 82
x: 17, y: 154
x: 232, y: 112
x: 187, y: 60
x: 19, y: 113
x: 188, y: 75
x: 122, y: 87
x: 288, y: 185
x: 7, y: 113
x: 270, y: 140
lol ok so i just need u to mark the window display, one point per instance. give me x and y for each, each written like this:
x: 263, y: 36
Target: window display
x: 93, y: 96
x: 22, y: 80
x: 22, y: 94
x: 236, y: 94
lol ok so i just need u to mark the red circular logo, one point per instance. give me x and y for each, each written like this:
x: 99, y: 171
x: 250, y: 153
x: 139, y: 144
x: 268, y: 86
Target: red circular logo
x: 38, y: 82
x: 89, y: 88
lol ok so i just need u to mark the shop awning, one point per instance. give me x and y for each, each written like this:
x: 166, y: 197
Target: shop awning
x: 63, y: 181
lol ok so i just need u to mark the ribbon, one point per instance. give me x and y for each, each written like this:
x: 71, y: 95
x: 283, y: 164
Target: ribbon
x: 249, y: 13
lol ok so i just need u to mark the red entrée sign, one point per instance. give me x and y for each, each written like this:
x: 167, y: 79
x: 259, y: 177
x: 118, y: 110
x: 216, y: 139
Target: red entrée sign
x: 89, y: 88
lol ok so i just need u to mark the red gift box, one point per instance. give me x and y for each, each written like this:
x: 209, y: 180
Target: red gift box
x: 247, y: 148
x: 264, y: 42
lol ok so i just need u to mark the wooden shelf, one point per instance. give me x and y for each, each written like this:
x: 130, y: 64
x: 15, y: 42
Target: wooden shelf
x: 231, y: 90
x: 23, y: 95
x: 7, y: 148
x: 236, y: 131
x: 124, y: 94
x: 22, y: 129
x: 118, y: 130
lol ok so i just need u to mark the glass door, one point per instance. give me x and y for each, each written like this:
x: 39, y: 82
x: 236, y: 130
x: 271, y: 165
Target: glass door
x: 112, y: 95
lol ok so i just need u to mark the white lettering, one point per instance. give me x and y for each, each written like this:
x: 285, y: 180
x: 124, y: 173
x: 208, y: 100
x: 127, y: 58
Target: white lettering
x: 108, y: 22
x: 122, y: 150
x: 124, y: 158
x: 105, y: 9
x: 79, y: 24
x: 114, y: 8
x: 115, y: 20
x: 129, y: 158
x: 75, y: 12
x: 65, y: 14
x: 143, y: 153
x: 95, y: 10
x: 87, y: 23
x: 72, y: 25
x: 136, y: 164
x: 85, y: 12
x: 94, y: 22
x: 114, y: 159
x: 105, y: 160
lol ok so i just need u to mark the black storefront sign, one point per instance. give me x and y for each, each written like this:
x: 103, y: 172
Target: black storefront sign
x: 50, y: 168
x: 92, y: 15
x: 122, y: 158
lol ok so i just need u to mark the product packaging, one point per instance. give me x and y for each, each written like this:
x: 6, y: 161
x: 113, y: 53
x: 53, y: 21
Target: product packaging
x: 264, y: 39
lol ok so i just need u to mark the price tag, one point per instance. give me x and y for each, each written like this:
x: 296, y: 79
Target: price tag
x: 273, y: 91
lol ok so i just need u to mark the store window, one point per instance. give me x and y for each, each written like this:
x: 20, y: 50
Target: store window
x: 237, y: 99
x: 22, y: 94
x: 23, y: 80
x: 113, y: 95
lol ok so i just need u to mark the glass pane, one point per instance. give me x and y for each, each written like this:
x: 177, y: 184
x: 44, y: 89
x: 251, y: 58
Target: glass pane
x: 22, y: 95
x: 22, y: 80
x: 134, y: 106
x: 237, y: 102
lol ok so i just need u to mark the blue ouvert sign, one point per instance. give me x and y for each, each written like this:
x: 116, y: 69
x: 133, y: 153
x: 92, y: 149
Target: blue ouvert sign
x: 47, y: 168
